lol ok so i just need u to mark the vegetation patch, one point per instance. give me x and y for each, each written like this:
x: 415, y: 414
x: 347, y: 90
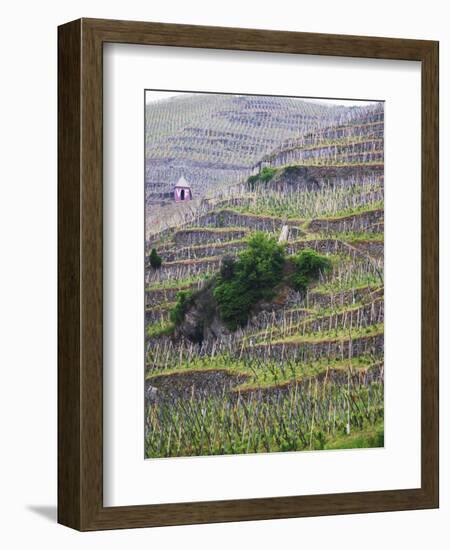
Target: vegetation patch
x: 184, y: 300
x: 252, y: 278
x: 322, y: 415
x: 330, y: 200
x: 265, y: 374
x: 264, y: 176
x: 264, y: 300
x: 375, y: 208
x: 308, y: 266
x: 160, y: 328
x: 249, y: 279
x: 329, y: 335
x: 155, y: 259
x: 181, y: 284
x: 355, y: 237
x: 370, y: 437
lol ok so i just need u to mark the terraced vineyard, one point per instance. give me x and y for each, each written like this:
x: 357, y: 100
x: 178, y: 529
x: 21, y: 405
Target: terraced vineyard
x: 264, y: 320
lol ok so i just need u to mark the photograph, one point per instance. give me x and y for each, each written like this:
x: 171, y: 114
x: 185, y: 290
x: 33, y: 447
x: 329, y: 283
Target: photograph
x: 203, y: 238
x: 264, y: 294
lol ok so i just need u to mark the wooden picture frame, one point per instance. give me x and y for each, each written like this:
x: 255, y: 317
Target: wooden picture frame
x: 80, y: 272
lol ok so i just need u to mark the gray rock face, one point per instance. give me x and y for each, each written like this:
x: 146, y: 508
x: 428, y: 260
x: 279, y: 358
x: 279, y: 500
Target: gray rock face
x: 201, y: 321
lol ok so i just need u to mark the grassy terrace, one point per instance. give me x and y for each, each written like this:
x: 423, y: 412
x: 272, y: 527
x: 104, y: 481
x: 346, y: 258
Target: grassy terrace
x: 327, y: 336
x: 202, y: 229
x: 371, y: 436
x: 298, y: 208
x: 205, y: 246
x: 333, y: 164
x: 176, y: 284
x: 367, y: 292
x: 292, y: 421
x: 237, y: 209
x: 160, y: 328
x: 355, y: 237
x: 163, y: 306
x: 192, y: 261
x: 339, y: 142
x: 302, y: 222
x: 348, y: 140
x: 375, y: 207
x: 342, y: 142
x: 264, y: 374
x: 301, y: 327
x: 336, y: 285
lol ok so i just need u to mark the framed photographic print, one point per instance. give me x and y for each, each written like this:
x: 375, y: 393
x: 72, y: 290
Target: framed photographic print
x: 248, y: 274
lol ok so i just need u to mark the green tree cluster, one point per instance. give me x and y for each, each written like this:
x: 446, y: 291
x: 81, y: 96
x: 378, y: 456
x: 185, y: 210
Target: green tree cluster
x: 249, y: 279
x: 265, y: 175
x: 308, y: 267
x: 155, y: 259
x: 184, y: 300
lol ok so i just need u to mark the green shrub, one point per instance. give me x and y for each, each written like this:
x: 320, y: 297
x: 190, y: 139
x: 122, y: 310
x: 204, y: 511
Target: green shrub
x: 265, y: 175
x: 227, y: 268
x: 258, y: 269
x: 308, y: 266
x: 161, y: 328
x: 178, y: 312
x: 155, y: 259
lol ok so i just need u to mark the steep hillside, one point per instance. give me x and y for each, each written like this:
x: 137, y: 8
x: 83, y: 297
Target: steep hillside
x: 303, y: 365
x: 218, y: 141
x: 215, y: 139
x: 355, y: 136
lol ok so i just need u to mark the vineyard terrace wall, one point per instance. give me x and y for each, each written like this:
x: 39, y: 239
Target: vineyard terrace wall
x: 363, y: 222
x: 199, y: 236
x: 302, y: 351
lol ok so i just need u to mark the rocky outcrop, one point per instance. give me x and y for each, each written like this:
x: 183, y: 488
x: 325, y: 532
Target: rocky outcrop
x: 312, y: 178
x: 201, y: 318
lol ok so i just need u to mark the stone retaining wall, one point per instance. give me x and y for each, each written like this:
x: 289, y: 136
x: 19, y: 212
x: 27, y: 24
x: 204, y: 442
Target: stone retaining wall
x: 155, y: 315
x: 363, y: 222
x: 345, y: 298
x: 373, y: 248
x: 198, y: 236
x: 181, y: 270
x: 192, y: 253
x: 227, y: 218
x: 324, y: 246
